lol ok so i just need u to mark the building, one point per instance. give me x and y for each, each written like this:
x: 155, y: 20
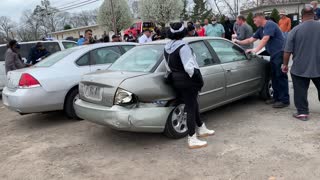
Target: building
x: 292, y: 7
x: 98, y: 32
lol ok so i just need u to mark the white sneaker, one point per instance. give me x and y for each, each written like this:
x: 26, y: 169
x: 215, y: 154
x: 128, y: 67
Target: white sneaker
x: 203, y: 131
x: 195, y: 143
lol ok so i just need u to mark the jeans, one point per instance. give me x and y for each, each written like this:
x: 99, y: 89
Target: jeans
x: 280, y: 82
x: 300, y: 87
x: 190, y: 98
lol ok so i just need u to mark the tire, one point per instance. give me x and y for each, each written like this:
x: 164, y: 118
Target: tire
x: 176, y: 125
x: 72, y: 96
x: 267, y: 91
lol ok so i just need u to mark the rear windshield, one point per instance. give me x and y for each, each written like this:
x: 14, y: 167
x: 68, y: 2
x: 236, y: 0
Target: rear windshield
x: 54, y: 58
x: 139, y: 59
x: 68, y: 45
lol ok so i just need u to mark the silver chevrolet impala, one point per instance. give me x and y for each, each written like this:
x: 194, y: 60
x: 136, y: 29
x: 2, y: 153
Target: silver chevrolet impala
x: 132, y: 95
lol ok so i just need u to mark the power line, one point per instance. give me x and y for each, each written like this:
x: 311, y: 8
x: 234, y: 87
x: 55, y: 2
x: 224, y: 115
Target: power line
x: 78, y: 5
x: 62, y: 5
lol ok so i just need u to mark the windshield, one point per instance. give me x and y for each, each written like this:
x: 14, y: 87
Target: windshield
x: 139, y: 59
x: 54, y: 58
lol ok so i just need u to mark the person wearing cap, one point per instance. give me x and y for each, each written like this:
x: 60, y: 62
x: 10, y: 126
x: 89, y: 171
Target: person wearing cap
x: 303, y: 43
x: 37, y: 53
x: 146, y: 37
x: 215, y: 29
x: 284, y: 24
x: 272, y: 39
x: 13, y: 60
x: 186, y: 80
x: 316, y: 10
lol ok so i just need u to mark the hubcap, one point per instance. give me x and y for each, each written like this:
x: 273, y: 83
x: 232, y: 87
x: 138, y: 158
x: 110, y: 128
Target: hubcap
x: 179, y: 119
x: 270, y: 89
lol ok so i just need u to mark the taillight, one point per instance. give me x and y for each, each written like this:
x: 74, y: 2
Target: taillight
x: 27, y: 81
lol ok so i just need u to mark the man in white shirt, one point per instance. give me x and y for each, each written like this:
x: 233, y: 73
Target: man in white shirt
x: 146, y: 37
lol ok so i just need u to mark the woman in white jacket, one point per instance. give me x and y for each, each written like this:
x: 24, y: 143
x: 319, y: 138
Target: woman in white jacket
x: 186, y: 79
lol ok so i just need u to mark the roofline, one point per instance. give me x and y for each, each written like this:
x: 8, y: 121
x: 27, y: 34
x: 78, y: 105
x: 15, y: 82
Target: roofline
x: 271, y: 5
x: 78, y: 28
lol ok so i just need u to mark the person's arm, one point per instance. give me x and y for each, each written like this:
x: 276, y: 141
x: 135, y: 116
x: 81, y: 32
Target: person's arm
x: 246, y: 41
x: 289, y: 25
x: 288, y: 50
x: 188, y: 60
x: 286, y: 59
x: 261, y: 45
x: 17, y: 62
x: 223, y: 31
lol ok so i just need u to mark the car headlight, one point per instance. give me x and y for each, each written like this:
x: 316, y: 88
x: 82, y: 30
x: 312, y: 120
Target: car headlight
x: 123, y: 97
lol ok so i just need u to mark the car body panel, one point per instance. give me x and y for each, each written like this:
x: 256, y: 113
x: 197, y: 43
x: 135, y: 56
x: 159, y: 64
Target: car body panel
x: 55, y: 81
x: 224, y: 83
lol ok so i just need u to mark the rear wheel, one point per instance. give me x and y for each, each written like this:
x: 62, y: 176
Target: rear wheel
x: 69, y: 104
x: 176, y: 126
x: 267, y: 91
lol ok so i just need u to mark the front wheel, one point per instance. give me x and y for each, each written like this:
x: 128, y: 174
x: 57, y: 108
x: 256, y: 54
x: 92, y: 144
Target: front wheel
x: 69, y: 104
x: 176, y: 126
x: 267, y: 91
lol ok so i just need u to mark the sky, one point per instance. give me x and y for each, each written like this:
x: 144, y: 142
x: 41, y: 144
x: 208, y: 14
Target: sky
x: 15, y: 8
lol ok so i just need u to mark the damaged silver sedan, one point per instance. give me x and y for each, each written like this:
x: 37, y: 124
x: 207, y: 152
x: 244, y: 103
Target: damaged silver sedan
x: 133, y: 96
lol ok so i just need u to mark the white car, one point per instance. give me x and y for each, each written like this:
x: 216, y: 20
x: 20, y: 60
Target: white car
x: 51, y: 46
x: 52, y: 84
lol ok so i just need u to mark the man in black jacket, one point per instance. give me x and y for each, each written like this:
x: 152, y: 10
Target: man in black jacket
x: 37, y: 53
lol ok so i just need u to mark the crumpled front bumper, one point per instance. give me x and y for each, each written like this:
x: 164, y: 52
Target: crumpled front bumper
x: 145, y: 118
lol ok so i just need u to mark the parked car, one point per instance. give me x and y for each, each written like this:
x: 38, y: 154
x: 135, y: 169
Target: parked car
x: 52, y: 84
x: 133, y: 96
x: 51, y: 46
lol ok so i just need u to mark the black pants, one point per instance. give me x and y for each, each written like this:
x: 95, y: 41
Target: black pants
x: 300, y: 87
x: 190, y: 98
x: 280, y: 82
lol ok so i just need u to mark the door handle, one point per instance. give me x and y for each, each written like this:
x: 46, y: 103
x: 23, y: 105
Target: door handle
x: 229, y: 70
x: 98, y: 69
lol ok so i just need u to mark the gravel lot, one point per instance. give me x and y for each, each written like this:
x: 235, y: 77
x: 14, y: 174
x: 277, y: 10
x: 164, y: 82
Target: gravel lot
x: 252, y: 142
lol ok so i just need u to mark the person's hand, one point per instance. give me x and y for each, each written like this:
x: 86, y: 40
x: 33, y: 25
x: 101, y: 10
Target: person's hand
x: 235, y: 40
x: 285, y: 68
x: 253, y: 51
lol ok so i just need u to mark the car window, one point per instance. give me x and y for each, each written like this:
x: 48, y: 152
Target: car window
x: 25, y: 49
x: 139, y: 59
x: 105, y: 55
x: 52, y: 47
x: 54, y: 58
x: 83, y: 60
x: 68, y: 45
x: 203, y: 55
x: 3, y: 50
x: 227, y: 51
x: 127, y: 48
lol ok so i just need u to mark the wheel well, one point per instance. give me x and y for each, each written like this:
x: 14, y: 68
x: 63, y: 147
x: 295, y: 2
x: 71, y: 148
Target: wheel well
x: 65, y: 98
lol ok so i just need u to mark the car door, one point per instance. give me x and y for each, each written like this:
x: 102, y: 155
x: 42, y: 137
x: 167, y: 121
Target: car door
x: 102, y: 58
x: 242, y: 74
x: 213, y: 91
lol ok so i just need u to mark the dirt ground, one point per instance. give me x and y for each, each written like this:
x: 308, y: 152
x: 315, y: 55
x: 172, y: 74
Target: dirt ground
x: 252, y: 142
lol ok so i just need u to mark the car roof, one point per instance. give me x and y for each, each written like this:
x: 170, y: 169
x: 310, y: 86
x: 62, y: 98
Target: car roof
x: 186, y: 39
x: 100, y: 45
x: 33, y: 42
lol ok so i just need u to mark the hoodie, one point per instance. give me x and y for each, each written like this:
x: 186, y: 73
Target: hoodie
x: 187, y: 56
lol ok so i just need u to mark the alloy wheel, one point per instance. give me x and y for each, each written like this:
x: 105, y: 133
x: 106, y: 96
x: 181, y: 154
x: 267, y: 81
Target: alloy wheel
x: 179, y: 119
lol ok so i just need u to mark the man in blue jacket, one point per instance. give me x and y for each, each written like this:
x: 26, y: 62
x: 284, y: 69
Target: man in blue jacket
x: 37, y: 53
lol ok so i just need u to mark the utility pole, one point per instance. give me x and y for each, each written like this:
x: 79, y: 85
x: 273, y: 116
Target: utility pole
x: 113, y: 18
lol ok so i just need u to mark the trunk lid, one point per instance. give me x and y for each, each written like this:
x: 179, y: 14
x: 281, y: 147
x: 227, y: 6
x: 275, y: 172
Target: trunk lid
x: 13, y: 77
x: 108, y: 81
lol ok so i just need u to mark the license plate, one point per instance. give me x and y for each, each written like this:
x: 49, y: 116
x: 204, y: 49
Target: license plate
x: 93, y: 93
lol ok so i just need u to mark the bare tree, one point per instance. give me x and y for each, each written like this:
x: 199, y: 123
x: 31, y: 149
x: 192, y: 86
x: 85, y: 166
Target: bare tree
x: 6, y: 26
